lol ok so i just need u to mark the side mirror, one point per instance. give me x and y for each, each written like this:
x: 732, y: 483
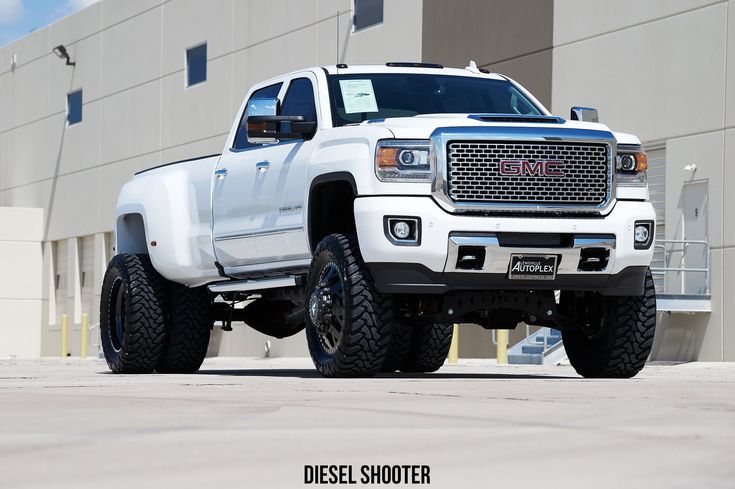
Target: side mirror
x: 258, y: 132
x: 586, y: 114
x: 269, y: 128
x: 264, y: 126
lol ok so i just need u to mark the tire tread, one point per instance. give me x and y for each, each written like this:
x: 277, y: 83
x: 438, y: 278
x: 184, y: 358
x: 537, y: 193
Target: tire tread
x: 366, y: 340
x: 623, y: 350
x: 188, y: 334
x: 145, y: 331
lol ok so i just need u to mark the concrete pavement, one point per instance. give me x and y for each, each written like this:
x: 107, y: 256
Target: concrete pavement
x: 256, y: 423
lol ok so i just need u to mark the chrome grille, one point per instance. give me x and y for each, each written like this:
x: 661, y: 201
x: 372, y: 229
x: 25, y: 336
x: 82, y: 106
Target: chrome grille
x: 473, y: 173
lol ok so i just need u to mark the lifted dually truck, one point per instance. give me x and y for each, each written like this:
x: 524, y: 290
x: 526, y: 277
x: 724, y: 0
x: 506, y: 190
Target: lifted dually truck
x: 375, y: 206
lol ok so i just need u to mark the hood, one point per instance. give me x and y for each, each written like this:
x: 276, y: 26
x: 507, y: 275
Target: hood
x: 421, y: 126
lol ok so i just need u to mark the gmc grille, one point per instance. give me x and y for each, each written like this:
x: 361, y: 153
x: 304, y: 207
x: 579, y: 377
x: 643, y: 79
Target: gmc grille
x: 581, y: 172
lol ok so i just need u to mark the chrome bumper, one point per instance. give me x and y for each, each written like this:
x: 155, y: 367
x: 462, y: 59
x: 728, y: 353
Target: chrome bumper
x: 497, y: 257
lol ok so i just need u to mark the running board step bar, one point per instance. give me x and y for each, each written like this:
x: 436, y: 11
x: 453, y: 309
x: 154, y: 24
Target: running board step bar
x: 255, y: 284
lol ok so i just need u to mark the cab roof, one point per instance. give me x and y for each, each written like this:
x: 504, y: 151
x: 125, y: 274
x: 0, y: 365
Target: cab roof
x: 401, y: 67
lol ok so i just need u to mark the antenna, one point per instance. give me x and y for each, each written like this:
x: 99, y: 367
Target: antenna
x: 337, y: 47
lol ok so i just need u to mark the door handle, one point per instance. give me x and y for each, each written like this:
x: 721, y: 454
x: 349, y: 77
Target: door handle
x: 221, y: 173
x: 262, y: 166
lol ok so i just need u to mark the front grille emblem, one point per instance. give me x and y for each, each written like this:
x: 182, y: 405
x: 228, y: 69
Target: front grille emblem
x: 531, y: 168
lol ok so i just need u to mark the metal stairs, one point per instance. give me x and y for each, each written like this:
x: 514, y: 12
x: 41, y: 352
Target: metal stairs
x: 543, y: 347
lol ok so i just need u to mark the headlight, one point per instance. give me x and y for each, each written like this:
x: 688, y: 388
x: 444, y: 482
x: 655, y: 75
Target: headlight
x: 631, y: 168
x: 399, y: 160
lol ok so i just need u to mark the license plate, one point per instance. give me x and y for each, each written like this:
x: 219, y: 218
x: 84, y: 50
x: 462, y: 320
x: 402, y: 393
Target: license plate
x: 532, y: 267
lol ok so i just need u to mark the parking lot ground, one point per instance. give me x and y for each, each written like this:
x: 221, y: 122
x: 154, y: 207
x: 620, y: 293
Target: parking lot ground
x: 255, y: 423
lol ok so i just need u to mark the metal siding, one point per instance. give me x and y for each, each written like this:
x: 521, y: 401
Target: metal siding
x: 61, y: 256
x: 109, y: 246
x: 657, y: 192
x: 87, y: 269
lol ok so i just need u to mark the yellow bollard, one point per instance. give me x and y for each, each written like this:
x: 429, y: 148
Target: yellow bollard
x: 502, y: 353
x: 85, y: 335
x: 64, y: 335
x: 454, y: 346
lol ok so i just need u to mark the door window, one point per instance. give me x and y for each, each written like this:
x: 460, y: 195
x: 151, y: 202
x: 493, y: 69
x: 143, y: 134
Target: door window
x: 299, y: 100
x: 241, y: 138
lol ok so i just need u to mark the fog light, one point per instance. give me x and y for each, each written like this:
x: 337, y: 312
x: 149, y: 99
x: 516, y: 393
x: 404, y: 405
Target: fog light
x: 641, y: 234
x: 401, y: 229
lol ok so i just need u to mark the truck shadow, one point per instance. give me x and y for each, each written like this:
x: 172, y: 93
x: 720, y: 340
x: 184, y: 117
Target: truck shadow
x: 312, y: 374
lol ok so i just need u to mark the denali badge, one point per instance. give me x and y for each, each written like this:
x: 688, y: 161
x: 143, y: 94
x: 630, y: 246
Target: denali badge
x: 527, y: 168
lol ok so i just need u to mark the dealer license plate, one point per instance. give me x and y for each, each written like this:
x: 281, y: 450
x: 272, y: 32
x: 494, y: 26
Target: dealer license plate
x: 532, y: 267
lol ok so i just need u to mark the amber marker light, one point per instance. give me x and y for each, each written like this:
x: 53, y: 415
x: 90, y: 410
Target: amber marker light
x: 641, y: 162
x: 387, y: 156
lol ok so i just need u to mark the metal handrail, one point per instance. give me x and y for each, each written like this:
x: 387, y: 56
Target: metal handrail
x: 686, y: 244
x: 546, y: 331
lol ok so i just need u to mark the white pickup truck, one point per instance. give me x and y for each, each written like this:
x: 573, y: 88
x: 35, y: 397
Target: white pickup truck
x: 374, y: 207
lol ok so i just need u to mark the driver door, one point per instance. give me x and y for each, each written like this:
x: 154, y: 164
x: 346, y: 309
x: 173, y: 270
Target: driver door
x: 280, y: 220
x: 259, y: 191
x: 235, y: 190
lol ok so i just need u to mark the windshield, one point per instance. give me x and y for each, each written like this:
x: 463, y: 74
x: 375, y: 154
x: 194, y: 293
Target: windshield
x: 356, y: 98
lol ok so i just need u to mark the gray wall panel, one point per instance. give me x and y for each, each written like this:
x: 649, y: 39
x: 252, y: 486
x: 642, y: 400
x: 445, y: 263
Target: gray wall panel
x: 131, y: 52
x: 579, y: 19
x: 487, y: 31
x: 30, y: 156
x: 29, y: 91
x: 533, y: 71
x: 198, y: 111
x: 641, y: 88
x: 130, y: 122
x: 115, y: 12
x: 190, y: 22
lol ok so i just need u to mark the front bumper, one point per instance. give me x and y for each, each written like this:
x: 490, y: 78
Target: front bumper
x: 430, y: 267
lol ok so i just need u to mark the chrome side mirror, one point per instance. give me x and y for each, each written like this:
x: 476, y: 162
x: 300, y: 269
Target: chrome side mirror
x: 259, y: 132
x: 586, y: 114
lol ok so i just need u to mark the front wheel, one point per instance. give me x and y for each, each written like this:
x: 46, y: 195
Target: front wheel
x: 348, y: 322
x: 619, y: 336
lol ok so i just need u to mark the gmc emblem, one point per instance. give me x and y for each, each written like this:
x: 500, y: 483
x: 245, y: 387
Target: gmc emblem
x: 529, y: 168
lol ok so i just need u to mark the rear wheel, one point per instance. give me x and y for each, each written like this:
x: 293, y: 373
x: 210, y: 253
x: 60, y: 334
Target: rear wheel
x: 348, y: 322
x: 429, y: 347
x: 618, y: 335
x: 400, y: 345
x: 132, y: 314
x: 187, y: 338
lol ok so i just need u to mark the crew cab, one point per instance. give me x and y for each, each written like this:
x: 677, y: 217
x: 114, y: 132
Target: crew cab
x: 375, y: 206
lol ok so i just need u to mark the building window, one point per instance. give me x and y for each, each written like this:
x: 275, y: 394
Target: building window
x: 367, y: 13
x: 74, y: 107
x: 196, y: 65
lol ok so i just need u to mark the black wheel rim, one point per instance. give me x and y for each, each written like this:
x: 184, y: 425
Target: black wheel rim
x: 117, y: 329
x: 327, y: 307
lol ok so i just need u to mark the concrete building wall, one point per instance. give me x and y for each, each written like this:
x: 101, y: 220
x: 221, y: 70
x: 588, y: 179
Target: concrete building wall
x: 509, y: 37
x: 21, y: 263
x: 138, y: 112
x: 660, y: 69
